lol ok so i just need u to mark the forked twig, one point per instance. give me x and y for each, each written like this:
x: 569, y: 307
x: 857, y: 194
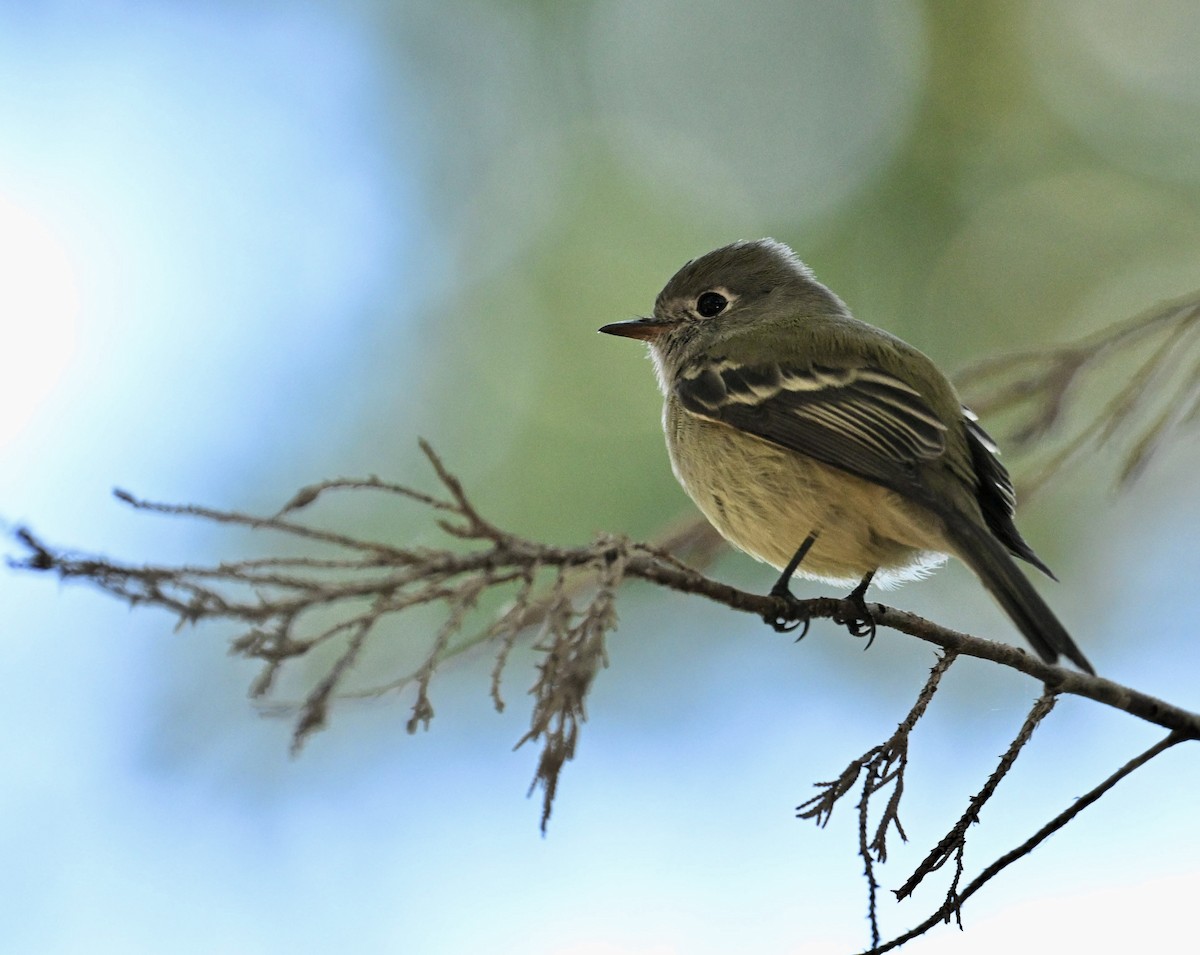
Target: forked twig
x: 1026, y: 847
x: 1157, y: 398
x: 955, y: 841
x: 883, y: 766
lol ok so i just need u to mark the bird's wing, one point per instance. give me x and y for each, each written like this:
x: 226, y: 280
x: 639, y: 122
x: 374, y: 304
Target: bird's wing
x: 860, y: 419
x: 995, y: 486
x: 994, y: 492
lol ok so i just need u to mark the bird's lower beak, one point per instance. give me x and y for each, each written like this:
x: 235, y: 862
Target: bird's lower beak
x: 643, y: 329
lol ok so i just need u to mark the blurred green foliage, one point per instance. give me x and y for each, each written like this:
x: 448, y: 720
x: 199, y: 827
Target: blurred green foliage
x: 952, y: 170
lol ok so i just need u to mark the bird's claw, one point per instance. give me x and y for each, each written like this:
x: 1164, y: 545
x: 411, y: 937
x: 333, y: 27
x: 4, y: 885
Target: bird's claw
x: 788, y: 620
x: 856, y: 618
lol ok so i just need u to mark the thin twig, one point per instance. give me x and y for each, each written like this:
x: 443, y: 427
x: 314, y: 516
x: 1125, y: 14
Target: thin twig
x: 881, y: 766
x: 1032, y: 842
x: 954, y: 842
x: 1039, y: 389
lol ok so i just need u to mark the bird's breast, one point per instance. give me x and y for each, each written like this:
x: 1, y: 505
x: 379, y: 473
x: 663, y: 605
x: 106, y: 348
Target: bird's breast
x: 765, y: 500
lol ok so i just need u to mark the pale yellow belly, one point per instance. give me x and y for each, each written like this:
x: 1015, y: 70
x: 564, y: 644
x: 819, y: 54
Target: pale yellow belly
x: 766, y: 500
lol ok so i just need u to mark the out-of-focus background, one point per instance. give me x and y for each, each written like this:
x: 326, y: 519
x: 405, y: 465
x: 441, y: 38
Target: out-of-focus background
x: 244, y: 246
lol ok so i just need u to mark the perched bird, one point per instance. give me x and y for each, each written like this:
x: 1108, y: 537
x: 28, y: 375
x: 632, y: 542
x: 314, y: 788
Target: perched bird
x: 827, y: 447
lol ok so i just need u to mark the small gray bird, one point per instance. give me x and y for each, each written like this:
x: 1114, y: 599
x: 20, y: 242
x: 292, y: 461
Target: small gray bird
x: 825, y: 446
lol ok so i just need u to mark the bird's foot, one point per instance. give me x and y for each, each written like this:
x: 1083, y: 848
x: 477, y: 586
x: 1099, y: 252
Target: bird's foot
x: 855, y: 616
x: 792, y: 617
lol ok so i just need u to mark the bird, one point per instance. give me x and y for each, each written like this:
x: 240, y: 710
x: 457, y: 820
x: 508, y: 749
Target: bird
x: 826, y: 447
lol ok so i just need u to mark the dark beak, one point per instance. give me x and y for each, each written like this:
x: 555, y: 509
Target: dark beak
x: 643, y: 329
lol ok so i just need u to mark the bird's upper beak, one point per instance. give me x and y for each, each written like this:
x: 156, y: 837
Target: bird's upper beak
x: 643, y: 329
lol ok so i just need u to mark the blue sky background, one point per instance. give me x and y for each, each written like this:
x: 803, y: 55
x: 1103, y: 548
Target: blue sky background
x: 247, y: 246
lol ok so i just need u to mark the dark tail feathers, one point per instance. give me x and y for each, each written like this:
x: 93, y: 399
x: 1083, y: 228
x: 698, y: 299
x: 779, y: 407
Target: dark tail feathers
x: 985, y: 555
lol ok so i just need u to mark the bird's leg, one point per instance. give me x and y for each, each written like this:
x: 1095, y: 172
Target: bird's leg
x: 860, y: 623
x: 786, y: 622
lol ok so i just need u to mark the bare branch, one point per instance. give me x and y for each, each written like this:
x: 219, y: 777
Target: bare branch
x: 883, y: 765
x: 1038, y: 390
x: 955, y: 841
x: 316, y: 707
x: 274, y: 597
x: 492, y: 587
x: 573, y: 653
x: 889, y: 753
x: 943, y: 913
x: 259, y: 523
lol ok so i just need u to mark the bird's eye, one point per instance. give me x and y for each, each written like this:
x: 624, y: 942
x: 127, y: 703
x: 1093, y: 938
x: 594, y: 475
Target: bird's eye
x: 710, y: 304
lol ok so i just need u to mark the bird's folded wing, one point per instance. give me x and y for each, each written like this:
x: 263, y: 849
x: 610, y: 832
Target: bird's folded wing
x: 860, y: 419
